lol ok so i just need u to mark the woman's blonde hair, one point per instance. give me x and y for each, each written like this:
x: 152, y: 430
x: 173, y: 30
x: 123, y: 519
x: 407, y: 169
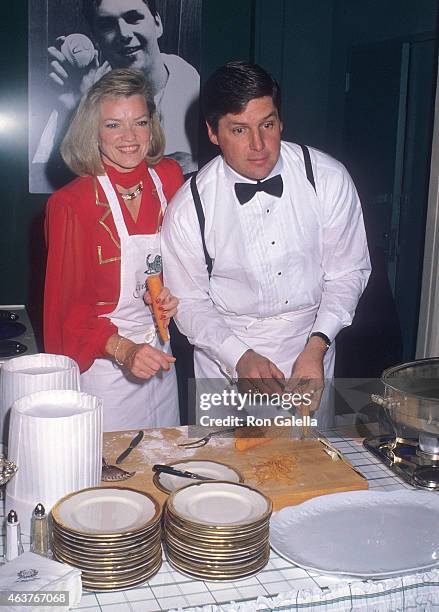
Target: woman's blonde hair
x: 80, y: 147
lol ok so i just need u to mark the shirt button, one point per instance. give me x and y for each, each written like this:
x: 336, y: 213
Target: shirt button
x: 268, y: 210
x: 286, y: 301
x: 279, y: 273
x: 273, y: 242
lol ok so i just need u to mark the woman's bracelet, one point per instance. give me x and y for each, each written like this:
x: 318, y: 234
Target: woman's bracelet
x: 119, y: 363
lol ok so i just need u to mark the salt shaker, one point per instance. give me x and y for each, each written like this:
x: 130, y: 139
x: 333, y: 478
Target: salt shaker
x: 14, y: 546
x: 39, y: 532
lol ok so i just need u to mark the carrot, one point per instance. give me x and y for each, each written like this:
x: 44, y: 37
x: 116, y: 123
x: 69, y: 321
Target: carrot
x: 155, y: 285
x: 243, y: 444
x: 244, y: 439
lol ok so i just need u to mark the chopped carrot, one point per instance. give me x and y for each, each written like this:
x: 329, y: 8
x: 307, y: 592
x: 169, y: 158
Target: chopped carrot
x: 155, y: 285
x: 248, y: 437
x: 243, y: 444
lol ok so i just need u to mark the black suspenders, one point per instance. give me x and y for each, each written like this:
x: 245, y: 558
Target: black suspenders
x: 308, y: 166
x: 199, y: 207
x: 201, y: 221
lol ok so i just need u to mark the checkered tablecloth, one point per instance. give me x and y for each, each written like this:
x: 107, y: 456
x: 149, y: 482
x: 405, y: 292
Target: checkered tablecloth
x: 282, y: 585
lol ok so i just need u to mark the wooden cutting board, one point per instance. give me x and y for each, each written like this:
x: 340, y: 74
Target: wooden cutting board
x: 312, y: 471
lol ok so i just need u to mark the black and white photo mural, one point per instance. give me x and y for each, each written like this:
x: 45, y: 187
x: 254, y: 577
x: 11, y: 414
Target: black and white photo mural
x: 73, y: 43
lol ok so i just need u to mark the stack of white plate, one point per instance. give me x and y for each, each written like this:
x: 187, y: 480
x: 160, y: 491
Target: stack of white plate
x: 111, y: 534
x: 217, y: 530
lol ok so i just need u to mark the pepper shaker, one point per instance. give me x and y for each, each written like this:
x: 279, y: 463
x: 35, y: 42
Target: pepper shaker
x: 14, y: 547
x: 39, y: 542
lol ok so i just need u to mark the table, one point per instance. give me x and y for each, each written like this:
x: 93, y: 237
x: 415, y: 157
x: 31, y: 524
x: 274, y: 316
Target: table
x: 281, y: 585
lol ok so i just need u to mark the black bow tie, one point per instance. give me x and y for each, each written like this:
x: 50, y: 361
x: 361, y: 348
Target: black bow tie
x: 245, y: 191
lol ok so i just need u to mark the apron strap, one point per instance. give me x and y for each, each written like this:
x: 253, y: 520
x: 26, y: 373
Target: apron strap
x: 158, y: 185
x: 114, y: 205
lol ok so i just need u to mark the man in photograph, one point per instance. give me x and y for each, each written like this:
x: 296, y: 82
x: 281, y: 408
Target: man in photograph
x: 126, y: 34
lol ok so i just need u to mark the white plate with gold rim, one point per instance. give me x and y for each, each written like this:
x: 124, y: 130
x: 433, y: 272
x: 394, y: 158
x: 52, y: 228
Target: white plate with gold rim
x: 112, y: 540
x: 114, y: 570
x: 211, y: 469
x: 90, y: 584
x: 201, y: 573
x: 106, y: 510
x: 102, y: 558
x: 220, y: 503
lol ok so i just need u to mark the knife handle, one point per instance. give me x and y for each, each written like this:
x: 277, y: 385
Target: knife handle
x: 123, y: 455
x: 134, y: 442
x: 168, y: 469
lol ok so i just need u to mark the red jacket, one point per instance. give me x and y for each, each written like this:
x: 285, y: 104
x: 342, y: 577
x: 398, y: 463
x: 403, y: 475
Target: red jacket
x: 83, y: 263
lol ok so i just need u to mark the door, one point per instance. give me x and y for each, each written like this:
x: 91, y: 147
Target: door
x: 387, y: 145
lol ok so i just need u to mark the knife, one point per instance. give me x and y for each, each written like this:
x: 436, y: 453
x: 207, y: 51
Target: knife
x: 134, y: 442
x: 336, y: 455
x: 168, y: 469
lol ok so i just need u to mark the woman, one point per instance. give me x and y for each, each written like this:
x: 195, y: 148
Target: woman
x: 103, y: 232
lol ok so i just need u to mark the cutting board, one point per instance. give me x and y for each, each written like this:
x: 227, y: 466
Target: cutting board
x: 312, y: 472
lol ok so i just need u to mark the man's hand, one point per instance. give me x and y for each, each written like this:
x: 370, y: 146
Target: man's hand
x: 307, y: 375
x: 73, y: 82
x: 256, y: 373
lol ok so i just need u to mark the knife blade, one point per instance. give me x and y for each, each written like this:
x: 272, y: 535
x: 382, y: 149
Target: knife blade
x: 168, y: 469
x: 134, y: 442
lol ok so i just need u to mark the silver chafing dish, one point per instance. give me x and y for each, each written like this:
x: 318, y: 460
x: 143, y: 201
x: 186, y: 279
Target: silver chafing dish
x: 411, y: 403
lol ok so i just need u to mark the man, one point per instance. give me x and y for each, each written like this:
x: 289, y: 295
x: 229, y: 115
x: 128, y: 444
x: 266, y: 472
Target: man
x: 127, y: 33
x: 289, y: 258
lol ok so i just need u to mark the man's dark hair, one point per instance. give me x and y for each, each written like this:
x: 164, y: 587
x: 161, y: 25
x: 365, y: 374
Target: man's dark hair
x: 230, y: 88
x: 89, y: 8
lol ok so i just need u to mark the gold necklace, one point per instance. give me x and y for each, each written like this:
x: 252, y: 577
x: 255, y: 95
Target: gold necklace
x: 126, y: 197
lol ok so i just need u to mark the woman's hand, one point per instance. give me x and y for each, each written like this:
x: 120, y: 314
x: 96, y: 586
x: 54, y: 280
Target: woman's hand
x: 145, y: 361
x: 142, y: 360
x: 167, y: 303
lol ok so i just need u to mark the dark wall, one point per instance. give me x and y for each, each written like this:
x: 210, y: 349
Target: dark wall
x: 374, y: 25
x: 21, y: 256
x: 227, y: 34
x: 293, y: 41
x: 357, y: 22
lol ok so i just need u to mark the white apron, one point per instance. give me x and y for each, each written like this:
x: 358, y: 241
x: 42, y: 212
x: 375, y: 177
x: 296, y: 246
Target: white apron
x: 129, y: 402
x: 280, y: 339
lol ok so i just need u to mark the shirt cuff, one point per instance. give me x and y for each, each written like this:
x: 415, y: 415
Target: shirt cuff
x: 327, y: 324
x: 230, y: 352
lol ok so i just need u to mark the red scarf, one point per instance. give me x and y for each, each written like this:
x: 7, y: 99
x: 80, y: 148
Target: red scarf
x: 126, y: 179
